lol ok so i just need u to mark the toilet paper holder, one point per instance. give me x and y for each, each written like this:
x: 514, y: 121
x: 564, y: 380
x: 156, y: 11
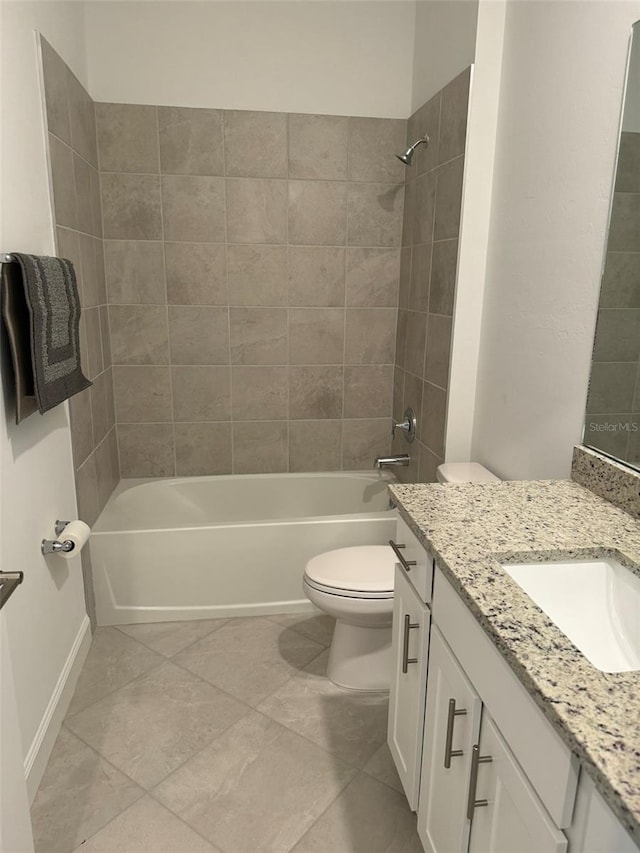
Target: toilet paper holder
x: 53, y: 546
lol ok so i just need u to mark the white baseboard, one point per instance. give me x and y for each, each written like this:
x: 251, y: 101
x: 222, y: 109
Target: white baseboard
x: 45, y: 737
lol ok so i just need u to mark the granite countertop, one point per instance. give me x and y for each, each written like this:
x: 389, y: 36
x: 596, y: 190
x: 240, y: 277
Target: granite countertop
x: 466, y: 527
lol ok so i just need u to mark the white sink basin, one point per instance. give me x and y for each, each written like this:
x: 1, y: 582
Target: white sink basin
x: 596, y: 603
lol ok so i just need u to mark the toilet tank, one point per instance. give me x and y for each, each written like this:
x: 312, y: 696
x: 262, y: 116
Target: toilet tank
x: 465, y: 472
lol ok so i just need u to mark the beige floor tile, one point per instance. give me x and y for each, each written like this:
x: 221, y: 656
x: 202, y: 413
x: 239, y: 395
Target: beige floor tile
x: 154, y: 724
x: 146, y: 827
x: 368, y: 817
x: 382, y: 768
x: 79, y: 794
x: 249, y: 658
x: 257, y: 788
x: 318, y: 627
x: 112, y: 662
x: 348, y: 723
x: 169, y: 638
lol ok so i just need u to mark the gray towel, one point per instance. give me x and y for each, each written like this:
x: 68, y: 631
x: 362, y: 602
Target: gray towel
x: 53, y: 315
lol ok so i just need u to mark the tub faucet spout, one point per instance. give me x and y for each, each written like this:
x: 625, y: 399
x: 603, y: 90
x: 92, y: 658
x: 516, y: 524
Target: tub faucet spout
x: 389, y: 461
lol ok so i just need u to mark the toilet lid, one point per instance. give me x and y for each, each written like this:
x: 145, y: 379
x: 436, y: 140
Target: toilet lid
x: 362, y: 568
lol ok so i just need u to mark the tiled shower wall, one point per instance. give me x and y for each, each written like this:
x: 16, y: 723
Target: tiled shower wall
x: 252, y: 271
x: 76, y: 201
x: 253, y: 277
x: 433, y: 197
x: 613, y: 406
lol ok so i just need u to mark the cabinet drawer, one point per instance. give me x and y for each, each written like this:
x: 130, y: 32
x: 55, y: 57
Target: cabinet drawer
x: 544, y: 757
x: 419, y: 575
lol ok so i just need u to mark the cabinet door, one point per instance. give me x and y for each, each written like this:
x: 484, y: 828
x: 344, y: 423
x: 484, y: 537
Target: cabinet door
x: 452, y: 723
x: 410, y: 647
x: 508, y: 817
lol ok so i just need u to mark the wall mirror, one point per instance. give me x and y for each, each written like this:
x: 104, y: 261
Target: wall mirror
x: 612, y: 422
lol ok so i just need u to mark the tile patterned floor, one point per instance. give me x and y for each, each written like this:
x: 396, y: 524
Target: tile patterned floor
x: 220, y: 736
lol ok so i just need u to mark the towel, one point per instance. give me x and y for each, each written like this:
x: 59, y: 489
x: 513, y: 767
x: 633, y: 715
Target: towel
x: 41, y: 311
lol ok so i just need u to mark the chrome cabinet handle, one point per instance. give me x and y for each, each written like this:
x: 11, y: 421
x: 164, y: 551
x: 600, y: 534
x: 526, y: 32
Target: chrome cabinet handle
x: 406, y: 564
x: 476, y: 760
x: 408, y: 625
x: 451, y: 716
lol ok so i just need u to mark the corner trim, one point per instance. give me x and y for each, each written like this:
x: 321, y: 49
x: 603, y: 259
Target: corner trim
x: 47, y: 732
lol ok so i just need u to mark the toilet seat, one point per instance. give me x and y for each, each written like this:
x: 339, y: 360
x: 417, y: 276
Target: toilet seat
x: 361, y: 571
x: 348, y: 593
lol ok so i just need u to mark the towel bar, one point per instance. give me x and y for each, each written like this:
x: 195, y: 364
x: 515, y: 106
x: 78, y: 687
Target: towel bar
x: 7, y: 258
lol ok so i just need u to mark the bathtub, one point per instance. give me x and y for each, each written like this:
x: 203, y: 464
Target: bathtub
x: 210, y: 547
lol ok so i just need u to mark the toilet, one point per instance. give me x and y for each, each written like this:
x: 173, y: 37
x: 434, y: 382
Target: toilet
x: 355, y: 586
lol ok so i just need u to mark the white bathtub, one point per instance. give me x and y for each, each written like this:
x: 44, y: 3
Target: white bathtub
x: 209, y: 547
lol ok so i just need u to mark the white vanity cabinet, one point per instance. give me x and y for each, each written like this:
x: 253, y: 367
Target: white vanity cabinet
x: 473, y: 795
x: 410, y: 651
x: 451, y: 727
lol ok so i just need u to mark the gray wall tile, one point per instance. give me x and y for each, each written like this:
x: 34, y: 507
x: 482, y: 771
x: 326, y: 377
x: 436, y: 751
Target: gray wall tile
x: 203, y: 448
x: 198, y: 335
x: 362, y: 441
x: 255, y: 144
x: 201, y: 393
x: 318, y: 147
x: 131, y: 207
x: 63, y: 180
x: 438, y: 350
x: 196, y: 273
x: 453, y: 117
x: 368, y: 390
x: 317, y: 213
x: 370, y: 335
x: 135, y: 272
x: 316, y: 276
x: 127, y: 138
x: 56, y: 78
x: 83, y: 120
x: 373, y: 277
x: 316, y: 335
x: 193, y: 208
x: 142, y: 394
x: 190, y: 141
x: 316, y: 392
x: 260, y: 448
x: 256, y: 211
x: 375, y: 214
x: 146, y: 450
x: 373, y: 145
x: 444, y: 266
x: 258, y: 393
x: 258, y: 335
x: 139, y: 334
x: 448, y: 200
x: 315, y: 445
x: 257, y: 275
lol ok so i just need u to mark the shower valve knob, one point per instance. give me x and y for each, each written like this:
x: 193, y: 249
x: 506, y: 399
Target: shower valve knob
x: 408, y: 425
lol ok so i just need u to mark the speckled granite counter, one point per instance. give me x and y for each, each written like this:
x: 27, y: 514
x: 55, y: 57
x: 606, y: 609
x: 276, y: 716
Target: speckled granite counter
x: 466, y: 527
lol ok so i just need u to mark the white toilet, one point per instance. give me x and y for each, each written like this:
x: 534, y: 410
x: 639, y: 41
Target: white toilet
x: 355, y: 585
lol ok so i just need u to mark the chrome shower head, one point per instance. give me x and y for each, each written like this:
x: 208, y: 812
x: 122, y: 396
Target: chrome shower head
x: 407, y: 155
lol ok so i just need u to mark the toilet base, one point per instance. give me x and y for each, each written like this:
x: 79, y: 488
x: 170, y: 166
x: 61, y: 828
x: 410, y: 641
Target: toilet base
x: 360, y: 658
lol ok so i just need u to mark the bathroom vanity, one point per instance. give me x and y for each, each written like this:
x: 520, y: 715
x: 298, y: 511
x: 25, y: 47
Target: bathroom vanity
x: 506, y: 738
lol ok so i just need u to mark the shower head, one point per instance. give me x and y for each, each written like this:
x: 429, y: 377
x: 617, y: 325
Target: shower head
x: 407, y: 155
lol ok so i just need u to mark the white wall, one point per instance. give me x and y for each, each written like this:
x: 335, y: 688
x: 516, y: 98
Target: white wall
x: 631, y: 120
x: 444, y: 45
x: 473, y: 244
x: 560, y: 102
x: 346, y: 58
x: 46, y: 615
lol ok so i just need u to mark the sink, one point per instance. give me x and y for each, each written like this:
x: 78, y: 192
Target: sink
x: 596, y: 603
